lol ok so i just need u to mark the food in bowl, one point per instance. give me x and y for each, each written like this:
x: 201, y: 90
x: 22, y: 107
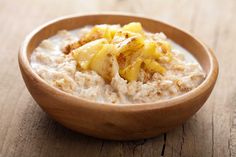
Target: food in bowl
x: 116, y: 64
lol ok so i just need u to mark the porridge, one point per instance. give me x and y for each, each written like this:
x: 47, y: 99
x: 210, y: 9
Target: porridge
x: 116, y: 64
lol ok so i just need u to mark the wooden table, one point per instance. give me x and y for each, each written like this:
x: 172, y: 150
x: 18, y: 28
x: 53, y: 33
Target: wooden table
x: 25, y: 130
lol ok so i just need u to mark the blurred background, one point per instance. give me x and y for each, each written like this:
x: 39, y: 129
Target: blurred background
x: 25, y: 130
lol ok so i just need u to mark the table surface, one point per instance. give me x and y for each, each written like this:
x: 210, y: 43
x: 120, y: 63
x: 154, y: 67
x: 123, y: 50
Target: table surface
x: 25, y: 130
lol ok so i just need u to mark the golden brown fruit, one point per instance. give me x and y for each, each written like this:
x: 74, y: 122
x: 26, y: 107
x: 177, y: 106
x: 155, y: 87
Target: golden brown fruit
x: 105, y: 63
x: 131, y: 72
x: 85, y: 53
x: 153, y: 66
x: 101, y: 31
x: 134, y: 27
x: 150, y: 50
x: 110, y: 49
x: 126, y: 42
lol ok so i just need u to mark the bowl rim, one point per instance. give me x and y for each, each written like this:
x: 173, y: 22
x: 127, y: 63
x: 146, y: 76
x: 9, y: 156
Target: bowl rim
x: 208, y: 82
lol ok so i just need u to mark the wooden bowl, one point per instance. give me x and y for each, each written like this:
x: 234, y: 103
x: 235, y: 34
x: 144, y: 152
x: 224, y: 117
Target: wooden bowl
x: 109, y: 121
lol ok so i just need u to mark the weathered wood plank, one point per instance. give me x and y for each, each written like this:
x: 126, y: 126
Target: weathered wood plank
x: 224, y: 111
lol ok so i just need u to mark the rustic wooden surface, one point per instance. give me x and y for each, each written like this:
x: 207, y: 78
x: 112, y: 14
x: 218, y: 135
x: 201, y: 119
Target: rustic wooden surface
x: 25, y: 130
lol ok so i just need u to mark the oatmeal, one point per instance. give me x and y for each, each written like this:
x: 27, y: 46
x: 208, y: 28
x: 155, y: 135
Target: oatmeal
x: 116, y: 64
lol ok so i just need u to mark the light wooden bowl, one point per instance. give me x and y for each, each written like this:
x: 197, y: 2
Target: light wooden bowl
x: 118, y: 122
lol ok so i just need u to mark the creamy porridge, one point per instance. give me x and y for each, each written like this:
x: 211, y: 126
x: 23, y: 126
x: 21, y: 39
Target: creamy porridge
x: 116, y: 64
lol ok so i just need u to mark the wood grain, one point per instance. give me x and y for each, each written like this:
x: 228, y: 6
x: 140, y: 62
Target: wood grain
x: 25, y: 130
